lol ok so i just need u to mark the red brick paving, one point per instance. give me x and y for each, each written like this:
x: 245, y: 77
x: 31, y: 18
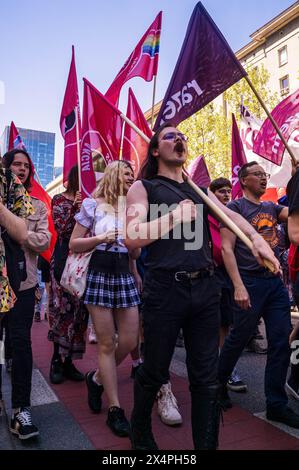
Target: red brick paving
x: 240, y: 431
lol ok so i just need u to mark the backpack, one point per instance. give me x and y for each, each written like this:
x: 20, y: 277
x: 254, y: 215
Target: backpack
x: 14, y: 255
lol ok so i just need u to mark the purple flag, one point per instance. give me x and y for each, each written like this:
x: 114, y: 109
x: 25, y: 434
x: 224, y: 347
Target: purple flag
x: 238, y: 159
x: 199, y: 172
x: 205, y: 68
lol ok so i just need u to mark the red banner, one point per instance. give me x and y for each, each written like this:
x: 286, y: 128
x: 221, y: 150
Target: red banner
x: 15, y: 141
x: 134, y: 146
x: 143, y: 62
x: 238, y: 159
x: 199, y: 172
x: 68, y: 121
x: 101, y: 132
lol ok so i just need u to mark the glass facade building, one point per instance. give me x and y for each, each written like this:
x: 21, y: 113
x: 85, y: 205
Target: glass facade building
x: 41, y: 147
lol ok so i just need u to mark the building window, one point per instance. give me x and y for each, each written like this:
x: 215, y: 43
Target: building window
x: 283, y: 56
x: 284, y: 85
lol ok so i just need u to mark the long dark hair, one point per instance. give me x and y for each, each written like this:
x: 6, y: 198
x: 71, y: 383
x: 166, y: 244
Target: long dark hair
x: 73, y: 181
x: 8, y: 159
x: 149, y: 168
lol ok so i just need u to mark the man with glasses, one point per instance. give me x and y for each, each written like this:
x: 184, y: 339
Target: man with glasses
x: 258, y: 292
x: 180, y: 289
x: 222, y: 188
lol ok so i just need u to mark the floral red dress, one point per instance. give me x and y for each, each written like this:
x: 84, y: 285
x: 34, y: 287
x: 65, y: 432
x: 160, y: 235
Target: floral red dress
x: 67, y: 315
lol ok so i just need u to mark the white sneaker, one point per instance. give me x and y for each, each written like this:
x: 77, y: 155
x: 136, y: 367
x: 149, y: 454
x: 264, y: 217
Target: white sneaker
x: 168, y: 406
x: 92, y: 338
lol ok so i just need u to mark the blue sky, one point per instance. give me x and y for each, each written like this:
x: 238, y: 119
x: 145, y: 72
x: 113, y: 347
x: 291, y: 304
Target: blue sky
x: 36, y: 39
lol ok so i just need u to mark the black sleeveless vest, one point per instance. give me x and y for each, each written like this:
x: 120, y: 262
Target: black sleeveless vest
x: 170, y: 252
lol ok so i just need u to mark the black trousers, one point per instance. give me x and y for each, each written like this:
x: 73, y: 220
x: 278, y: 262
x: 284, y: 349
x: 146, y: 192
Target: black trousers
x: 170, y: 305
x: 20, y: 322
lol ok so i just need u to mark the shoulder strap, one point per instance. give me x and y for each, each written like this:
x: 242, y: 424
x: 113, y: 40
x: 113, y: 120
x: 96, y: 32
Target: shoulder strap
x: 176, y: 190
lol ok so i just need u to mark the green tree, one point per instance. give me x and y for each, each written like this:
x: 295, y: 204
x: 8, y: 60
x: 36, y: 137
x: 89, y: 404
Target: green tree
x: 209, y: 130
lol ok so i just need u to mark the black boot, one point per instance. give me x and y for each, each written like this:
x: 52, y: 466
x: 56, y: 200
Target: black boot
x: 206, y: 417
x: 141, y: 424
x: 71, y: 372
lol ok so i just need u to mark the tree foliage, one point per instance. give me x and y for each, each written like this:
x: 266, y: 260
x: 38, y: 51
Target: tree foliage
x: 209, y: 130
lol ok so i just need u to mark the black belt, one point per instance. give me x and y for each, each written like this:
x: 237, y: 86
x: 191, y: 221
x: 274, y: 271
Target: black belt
x: 200, y: 274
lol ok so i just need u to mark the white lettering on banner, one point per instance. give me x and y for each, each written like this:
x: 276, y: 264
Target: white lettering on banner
x: 235, y: 178
x: 180, y: 99
x: 284, y: 130
x: 85, y: 157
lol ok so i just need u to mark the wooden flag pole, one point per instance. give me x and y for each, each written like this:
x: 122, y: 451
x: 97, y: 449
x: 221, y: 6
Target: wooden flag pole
x: 153, y: 102
x: 226, y: 220
x: 274, y: 123
x: 78, y: 147
x: 136, y: 129
x: 220, y: 214
x: 122, y: 141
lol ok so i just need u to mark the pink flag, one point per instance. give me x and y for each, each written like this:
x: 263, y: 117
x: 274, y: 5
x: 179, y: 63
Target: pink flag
x: 199, y: 172
x: 68, y: 124
x: 238, y: 159
x: 101, y: 132
x: 143, y: 62
x: 15, y: 140
x: 249, y: 129
x: 268, y: 143
x: 134, y: 147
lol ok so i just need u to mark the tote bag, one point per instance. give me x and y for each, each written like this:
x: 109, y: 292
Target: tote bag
x: 74, y: 275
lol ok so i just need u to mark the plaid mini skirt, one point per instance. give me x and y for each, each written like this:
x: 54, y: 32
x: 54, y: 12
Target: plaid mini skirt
x: 111, y: 290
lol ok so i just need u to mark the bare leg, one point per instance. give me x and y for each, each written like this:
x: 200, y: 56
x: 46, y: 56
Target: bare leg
x: 103, y: 322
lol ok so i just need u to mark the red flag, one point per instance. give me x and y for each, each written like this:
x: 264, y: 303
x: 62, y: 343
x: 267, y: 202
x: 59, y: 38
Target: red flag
x: 15, y: 140
x: 36, y: 191
x: 101, y: 132
x: 68, y: 124
x: 199, y: 172
x: 267, y: 143
x: 238, y: 159
x: 134, y: 146
x: 143, y: 62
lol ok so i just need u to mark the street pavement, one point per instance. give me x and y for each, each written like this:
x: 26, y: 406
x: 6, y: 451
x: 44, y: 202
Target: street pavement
x: 65, y: 421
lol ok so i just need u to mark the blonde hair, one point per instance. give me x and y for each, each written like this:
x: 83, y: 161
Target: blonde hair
x: 111, y: 185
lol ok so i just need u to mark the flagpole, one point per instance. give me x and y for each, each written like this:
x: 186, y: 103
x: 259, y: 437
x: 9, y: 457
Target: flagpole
x: 136, y: 129
x: 274, y: 123
x: 222, y: 216
x: 122, y: 141
x: 226, y: 220
x: 153, y: 102
x: 37, y: 177
x: 78, y: 147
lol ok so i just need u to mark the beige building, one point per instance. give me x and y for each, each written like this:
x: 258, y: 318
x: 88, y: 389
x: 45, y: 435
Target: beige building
x: 274, y: 45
